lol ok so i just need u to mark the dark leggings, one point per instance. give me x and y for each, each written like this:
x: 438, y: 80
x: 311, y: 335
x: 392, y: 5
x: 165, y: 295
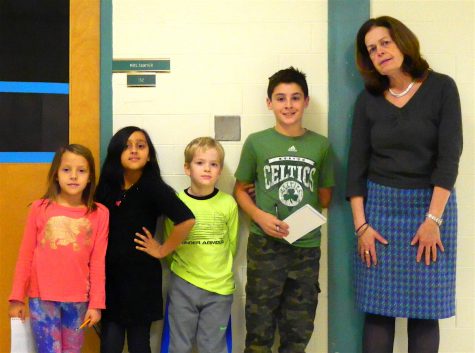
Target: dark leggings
x: 113, y: 337
x: 378, y: 335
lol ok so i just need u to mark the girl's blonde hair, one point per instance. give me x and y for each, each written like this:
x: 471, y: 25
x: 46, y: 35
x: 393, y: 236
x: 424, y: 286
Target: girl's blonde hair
x: 54, y: 189
x: 204, y: 143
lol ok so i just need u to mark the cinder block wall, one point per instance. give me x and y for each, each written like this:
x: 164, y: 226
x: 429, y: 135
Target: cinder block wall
x: 222, y: 52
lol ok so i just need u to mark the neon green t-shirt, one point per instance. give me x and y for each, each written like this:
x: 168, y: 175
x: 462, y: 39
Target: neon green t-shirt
x: 287, y: 172
x: 205, y: 257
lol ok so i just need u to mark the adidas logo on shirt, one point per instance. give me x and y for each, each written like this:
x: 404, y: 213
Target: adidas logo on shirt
x: 292, y: 149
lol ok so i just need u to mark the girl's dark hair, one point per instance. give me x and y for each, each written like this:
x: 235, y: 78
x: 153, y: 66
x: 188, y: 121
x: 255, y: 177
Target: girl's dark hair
x: 111, y: 179
x: 54, y: 189
x: 407, y: 43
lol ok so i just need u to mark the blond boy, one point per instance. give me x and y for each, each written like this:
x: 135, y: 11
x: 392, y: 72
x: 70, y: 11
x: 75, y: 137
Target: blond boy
x: 201, y: 281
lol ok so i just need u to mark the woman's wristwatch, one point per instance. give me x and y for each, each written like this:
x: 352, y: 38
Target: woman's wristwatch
x: 435, y: 219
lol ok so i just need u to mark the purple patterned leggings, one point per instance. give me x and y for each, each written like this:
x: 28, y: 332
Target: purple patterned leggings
x: 54, y: 325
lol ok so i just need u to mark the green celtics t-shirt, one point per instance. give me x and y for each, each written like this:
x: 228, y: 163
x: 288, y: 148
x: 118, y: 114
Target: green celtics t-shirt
x: 287, y: 172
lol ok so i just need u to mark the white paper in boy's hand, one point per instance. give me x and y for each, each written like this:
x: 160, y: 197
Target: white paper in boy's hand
x: 303, y: 221
x: 21, y: 338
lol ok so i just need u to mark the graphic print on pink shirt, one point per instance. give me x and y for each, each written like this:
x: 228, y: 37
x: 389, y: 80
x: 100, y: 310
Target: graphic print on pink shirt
x: 62, y: 231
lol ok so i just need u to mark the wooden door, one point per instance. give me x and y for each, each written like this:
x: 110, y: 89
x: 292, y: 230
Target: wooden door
x: 21, y: 183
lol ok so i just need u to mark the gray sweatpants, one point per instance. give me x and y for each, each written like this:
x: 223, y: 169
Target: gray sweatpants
x: 194, y: 313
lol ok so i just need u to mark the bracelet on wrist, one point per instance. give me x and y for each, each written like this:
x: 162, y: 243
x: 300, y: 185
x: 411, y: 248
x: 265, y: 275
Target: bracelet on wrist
x: 435, y: 219
x: 361, y: 232
x: 361, y: 229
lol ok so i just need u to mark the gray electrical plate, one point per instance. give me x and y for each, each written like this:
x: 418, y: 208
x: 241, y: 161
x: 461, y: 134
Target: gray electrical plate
x: 227, y: 127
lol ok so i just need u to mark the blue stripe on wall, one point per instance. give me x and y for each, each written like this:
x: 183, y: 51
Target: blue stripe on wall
x: 34, y: 87
x: 345, y: 321
x: 30, y: 87
x: 26, y: 157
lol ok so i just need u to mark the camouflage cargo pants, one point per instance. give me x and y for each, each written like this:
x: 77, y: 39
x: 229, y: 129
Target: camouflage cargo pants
x: 282, y: 289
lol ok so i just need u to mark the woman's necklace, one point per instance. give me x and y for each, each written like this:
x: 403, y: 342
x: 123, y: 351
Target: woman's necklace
x: 403, y: 93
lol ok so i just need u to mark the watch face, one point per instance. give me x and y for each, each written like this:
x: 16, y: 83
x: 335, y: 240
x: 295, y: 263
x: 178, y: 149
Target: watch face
x: 435, y: 219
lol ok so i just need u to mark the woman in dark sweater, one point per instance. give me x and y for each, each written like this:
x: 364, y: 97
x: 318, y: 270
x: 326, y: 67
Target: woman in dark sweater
x: 405, y: 148
x: 135, y: 194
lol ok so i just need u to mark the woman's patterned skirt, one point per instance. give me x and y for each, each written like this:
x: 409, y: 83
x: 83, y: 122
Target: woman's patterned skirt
x: 398, y: 286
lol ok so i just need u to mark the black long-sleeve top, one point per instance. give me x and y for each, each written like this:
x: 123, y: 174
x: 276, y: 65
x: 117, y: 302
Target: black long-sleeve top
x: 416, y: 146
x: 134, y: 278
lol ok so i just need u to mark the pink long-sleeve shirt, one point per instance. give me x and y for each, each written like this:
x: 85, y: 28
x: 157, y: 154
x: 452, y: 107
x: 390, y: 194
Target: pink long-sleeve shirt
x: 62, y: 255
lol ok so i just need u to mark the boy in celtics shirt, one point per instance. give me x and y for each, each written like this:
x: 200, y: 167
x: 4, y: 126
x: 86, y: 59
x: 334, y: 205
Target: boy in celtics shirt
x: 290, y: 166
x: 201, y: 280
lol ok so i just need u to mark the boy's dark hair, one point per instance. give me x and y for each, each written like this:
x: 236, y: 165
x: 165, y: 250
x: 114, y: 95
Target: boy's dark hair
x: 407, y: 42
x: 112, y: 174
x: 289, y: 75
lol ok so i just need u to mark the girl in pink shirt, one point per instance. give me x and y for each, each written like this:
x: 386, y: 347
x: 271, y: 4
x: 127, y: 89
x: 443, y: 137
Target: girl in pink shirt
x: 60, y: 266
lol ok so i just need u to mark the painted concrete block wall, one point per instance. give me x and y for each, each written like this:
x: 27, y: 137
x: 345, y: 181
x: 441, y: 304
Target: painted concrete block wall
x: 221, y: 52
x: 446, y: 32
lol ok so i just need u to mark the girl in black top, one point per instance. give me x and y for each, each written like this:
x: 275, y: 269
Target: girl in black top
x: 135, y: 194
